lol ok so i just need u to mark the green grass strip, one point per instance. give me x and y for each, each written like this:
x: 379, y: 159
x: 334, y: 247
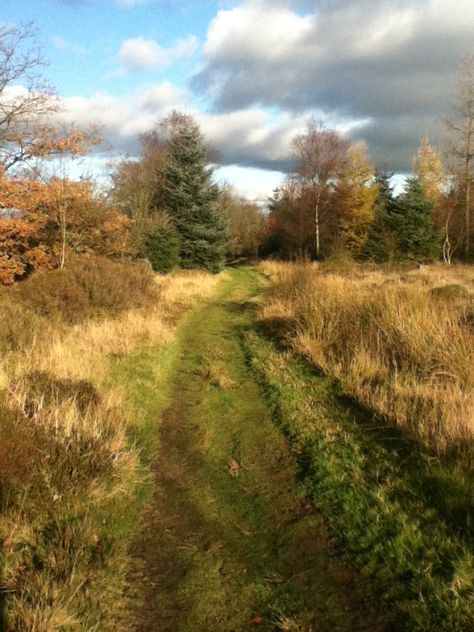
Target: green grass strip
x: 381, y: 499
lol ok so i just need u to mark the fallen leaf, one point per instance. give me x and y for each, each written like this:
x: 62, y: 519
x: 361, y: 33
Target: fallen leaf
x: 233, y: 467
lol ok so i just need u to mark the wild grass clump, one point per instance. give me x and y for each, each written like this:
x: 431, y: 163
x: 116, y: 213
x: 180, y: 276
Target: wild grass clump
x: 400, y: 343
x: 68, y: 466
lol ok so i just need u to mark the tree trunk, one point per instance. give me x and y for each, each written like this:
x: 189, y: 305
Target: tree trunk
x: 447, y: 252
x: 467, y: 218
x: 316, y: 223
x: 62, y: 260
x: 467, y: 175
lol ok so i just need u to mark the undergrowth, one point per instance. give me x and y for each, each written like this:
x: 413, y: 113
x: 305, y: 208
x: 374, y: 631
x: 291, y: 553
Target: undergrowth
x: 71, y: 465
x: 401, y: 343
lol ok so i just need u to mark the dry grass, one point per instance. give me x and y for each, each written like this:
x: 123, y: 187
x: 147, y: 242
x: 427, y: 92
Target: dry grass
x: 65, y: 457
x: 401, y: 343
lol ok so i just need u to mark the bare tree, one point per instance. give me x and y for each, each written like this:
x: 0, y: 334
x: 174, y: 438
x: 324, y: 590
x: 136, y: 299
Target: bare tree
x: 321, y: 157
x: 461, y: 145
x: 29, y: 128
x: 26, y: 99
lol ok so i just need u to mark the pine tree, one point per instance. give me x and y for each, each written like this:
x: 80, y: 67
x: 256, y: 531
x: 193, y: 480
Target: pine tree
x: 411, y: 220
x: 189, y: 197
x: 380, y: 245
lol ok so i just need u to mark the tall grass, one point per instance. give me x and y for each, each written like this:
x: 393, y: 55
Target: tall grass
x: 66, y: 460
x: 400, y: 343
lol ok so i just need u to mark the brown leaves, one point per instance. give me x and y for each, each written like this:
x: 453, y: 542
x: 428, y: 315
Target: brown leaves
x: 233, y: 468
x: 32, y: 239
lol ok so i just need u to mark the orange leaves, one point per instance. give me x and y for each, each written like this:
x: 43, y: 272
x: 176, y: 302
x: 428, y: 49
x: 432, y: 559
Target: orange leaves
x: 44, y: 220
x: 51, y: 141
x: 11, y: 267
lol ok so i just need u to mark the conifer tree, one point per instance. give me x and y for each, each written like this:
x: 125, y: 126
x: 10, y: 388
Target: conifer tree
x: 411, y: 220
x: 380, y: 245
x: 189, y: 196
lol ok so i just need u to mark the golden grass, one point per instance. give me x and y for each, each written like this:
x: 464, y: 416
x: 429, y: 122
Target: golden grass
x: 401, y: 343
x: 67, y: 428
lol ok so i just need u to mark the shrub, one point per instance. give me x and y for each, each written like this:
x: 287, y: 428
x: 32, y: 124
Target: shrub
x: 113, y: 287
x: 53, y: 295
x: 19, y: 325
x: 161, y: 247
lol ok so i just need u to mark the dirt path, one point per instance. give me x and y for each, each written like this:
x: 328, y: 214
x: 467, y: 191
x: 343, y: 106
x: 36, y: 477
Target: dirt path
x: 230, y: 541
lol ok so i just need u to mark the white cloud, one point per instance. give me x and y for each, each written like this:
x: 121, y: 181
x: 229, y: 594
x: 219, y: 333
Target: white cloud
x: 124, y: 119
x: 254, y: 184
x: 140, y: 53
x: 393, y: 63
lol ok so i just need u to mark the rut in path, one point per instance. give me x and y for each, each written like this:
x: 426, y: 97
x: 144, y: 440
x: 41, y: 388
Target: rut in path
x: 230, y: 541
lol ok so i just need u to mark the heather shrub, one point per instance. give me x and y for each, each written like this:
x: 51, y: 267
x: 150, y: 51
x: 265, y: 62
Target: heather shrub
x: 113, y: 287
x: 54, y: 295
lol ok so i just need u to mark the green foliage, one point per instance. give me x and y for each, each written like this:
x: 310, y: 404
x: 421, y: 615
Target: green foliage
x: 403, y: 226
x: 380, y: 242
x: 161, y: 245
x: 189, y: 198
x: 411, y: 220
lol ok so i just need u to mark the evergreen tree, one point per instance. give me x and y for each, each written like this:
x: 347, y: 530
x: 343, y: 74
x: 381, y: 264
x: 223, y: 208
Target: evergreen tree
x: 161, y: 247
x: 411, y: 220
x: 381, y: 244
x: 189, y: 196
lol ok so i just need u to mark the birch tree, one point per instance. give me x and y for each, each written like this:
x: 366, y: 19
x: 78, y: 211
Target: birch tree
x: 321, y: 157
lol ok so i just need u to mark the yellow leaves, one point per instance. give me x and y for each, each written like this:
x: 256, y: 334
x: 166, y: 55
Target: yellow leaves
x: 357, y: 194
x: 427, y: 165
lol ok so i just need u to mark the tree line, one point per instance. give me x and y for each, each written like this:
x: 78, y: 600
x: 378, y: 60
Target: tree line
x: 164, y: 205
x: 337, y: 201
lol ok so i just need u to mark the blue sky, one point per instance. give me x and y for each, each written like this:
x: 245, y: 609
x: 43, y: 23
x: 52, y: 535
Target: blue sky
x: 81, y: 39
x: 254, y: 71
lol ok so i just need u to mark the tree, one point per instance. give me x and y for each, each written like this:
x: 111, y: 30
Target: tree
x: 136, y: 183
x: 32, y: 225
x: 188, y: 196
x: 28, y: 103
x: 428, y: 167
x: 411, y: 220
x: 381, y: 242
x: 244, y: 220
x: 461, y: 146
x: 160, y: 243
x: 357, y: 194
x: 321, y: 158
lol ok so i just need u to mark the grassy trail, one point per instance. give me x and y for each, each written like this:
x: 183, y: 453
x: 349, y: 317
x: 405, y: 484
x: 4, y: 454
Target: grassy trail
x: 230, y: 540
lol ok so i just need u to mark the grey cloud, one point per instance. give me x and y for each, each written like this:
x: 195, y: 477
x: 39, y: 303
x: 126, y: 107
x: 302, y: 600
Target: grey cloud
x: 394, y: 62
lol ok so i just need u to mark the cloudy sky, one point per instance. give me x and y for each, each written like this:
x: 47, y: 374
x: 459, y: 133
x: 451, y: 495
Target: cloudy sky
x: 254, y: 71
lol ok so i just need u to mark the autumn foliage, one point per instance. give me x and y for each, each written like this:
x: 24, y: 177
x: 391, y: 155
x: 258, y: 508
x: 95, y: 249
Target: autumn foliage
x: 40, y: 216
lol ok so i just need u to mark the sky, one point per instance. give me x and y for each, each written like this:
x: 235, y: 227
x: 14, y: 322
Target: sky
x: 254, y: 71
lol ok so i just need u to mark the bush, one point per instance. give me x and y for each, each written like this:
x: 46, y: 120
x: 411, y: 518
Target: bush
x: 113, y: 287
x: 161, y: 247
x: 91, y: 287
x: 53, y: 295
